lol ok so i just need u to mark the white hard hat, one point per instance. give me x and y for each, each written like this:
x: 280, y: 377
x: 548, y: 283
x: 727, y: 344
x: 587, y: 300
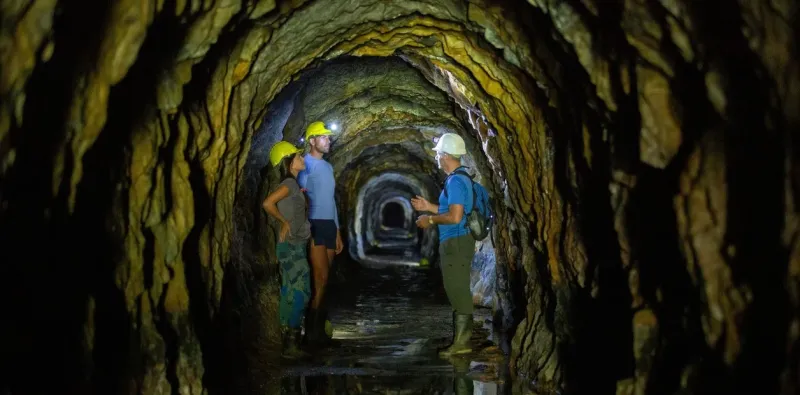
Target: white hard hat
x: 451, y: 143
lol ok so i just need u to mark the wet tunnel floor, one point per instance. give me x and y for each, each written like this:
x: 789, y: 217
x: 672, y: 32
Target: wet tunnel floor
x: 390, y: 322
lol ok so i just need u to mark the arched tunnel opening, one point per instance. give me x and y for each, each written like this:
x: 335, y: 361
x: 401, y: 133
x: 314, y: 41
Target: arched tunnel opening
x: 374, y: 243
x: 395, y: 215
x: 639, y: 155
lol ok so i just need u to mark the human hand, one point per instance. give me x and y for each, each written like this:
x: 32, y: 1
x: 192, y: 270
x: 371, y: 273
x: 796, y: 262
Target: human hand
x: 339, y: 243
x: 420, y: 204
x: 285, y: 229
x: 423, y: 221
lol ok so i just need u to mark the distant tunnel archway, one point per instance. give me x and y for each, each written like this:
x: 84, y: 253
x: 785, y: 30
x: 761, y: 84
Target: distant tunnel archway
x: 620, y: 142
x: 394, y: 215
x: 382, y: 230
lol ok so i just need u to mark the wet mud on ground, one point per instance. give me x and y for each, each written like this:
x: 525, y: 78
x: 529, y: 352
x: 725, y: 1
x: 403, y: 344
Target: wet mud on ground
x: 390, y: 322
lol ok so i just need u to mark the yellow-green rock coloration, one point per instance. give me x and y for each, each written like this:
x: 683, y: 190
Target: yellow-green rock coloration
x: 640, y: 154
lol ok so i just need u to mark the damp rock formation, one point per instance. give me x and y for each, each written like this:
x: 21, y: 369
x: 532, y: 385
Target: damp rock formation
x: 640, y: 154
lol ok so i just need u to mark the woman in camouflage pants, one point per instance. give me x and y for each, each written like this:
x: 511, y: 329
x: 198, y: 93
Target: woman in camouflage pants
x: 287, y: 205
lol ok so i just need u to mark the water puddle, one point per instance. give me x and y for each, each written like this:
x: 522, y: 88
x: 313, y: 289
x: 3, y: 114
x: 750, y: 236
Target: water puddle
x: 390, y: 323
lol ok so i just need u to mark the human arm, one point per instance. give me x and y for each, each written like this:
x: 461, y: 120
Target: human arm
x: 270, y: 205
x: 421, y: 204
x: 339, y: 243
x: 302, y: 176
x: 453, y: 216
x: 335, y: 213
x: 457, y: 195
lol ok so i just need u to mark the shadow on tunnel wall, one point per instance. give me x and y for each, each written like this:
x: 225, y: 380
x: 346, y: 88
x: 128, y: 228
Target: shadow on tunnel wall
x: 593, y: 320
x: 252, y: 283
x: 59, y: 267
x: 754, y: 141
x: 250, y: 300
x: 673, y: 352
x: 67, y: 319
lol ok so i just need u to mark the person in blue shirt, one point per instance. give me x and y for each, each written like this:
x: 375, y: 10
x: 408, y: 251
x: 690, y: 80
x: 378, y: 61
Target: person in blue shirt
x: 456, y: 244
x: 326, y: 240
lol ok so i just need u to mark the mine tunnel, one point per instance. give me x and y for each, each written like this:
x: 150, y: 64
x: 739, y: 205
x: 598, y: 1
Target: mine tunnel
x: 639, y: 156
x: 393, y: 214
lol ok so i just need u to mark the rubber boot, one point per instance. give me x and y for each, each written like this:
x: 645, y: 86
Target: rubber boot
x: 290, y: 347
x: 462, y: 332
x: 295, y: 338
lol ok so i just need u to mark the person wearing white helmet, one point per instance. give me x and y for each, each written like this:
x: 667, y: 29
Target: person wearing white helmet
x: 456, y: 244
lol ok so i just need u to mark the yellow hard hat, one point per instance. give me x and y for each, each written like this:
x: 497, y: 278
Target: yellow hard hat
x: 280, y: 151
x: 317, y: 129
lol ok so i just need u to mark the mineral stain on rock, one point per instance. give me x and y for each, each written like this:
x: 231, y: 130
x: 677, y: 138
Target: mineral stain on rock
x: 640, y: 155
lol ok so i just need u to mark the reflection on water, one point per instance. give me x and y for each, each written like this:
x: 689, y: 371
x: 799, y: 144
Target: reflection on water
x: 390, y: 324
x: 385, y: 374
x: 346, y: 384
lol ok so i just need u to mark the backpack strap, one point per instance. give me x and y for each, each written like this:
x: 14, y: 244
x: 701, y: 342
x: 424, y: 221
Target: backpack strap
x: 462, y: 170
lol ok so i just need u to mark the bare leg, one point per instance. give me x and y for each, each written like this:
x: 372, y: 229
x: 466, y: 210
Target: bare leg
x: 323, y: 305
x: 319, y: 268
x: 331, y: 254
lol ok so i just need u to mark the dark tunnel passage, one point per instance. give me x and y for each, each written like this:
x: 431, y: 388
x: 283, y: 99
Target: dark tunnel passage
x: 395, y: 214
x: 640, y: 157
x: 373, y: 242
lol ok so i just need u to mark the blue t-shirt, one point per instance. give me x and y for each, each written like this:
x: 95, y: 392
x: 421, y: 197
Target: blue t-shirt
x: 318, y: 181
x: 459, y: 191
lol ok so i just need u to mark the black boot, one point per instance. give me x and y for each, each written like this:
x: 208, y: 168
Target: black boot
x: 297, y: 336
x: 290, y: 337
x: 295, y: 339
x: 315, y: 330
x: 462, y: 332
x: 311, y: 327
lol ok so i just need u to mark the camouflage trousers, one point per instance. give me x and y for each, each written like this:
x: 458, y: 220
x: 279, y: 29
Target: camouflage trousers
x: 295, y: 283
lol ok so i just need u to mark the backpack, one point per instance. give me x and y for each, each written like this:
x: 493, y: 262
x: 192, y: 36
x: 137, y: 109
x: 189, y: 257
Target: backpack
x: 480, y: 218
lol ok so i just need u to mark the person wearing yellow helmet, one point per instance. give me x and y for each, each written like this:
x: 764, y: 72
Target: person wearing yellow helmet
x: 317, y: 129
x: 287, y: 204
x: 326, y: 239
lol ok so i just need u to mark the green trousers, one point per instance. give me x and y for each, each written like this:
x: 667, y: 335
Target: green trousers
x: 295, y: 283
x: 456, y: 262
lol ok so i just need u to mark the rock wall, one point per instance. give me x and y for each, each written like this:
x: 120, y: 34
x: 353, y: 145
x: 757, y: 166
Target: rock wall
x: 641, y: 153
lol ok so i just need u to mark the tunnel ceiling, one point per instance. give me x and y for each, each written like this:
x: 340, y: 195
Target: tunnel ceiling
x: 387, y: 115
x: 366, y: 96
x: 615, y: 136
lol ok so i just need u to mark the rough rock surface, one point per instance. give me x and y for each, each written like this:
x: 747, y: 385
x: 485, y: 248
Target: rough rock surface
x: 640, y: 152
